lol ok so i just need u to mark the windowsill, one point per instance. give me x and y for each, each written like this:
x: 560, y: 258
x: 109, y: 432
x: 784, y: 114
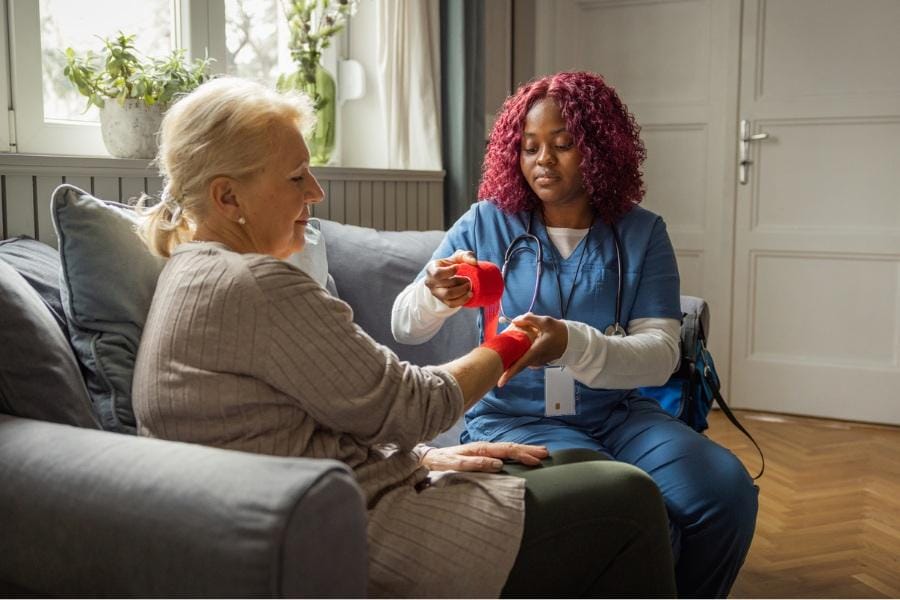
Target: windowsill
x: 60, y: 160
x: 145, y: 168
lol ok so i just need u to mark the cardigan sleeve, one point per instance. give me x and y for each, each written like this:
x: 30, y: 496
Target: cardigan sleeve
x: 341, y: 377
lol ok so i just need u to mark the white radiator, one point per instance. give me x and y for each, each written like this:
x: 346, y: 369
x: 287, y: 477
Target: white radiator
x: 390, y: 200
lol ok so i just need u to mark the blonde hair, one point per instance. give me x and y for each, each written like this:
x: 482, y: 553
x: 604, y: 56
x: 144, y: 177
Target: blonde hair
x: 223, y: 128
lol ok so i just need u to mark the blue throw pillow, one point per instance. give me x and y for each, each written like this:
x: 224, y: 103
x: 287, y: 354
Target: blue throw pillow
x: 39, y: 378
x: 108, y: 277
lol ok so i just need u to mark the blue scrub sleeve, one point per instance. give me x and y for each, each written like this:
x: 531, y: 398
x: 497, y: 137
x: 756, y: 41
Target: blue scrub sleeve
x: 658, y: 294
x: 461, y: 236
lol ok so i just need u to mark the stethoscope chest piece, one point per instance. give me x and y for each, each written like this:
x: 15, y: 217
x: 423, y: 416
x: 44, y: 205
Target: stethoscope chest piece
x: 615, y: 330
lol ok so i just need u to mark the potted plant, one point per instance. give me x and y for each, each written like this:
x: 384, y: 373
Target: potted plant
x: 140, y: 89
x: 312, y: 24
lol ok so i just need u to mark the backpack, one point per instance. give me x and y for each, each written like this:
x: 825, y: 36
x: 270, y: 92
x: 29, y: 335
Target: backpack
x: 689, y: 393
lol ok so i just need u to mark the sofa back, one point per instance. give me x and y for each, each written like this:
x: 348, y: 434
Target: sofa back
x: 371, y: 267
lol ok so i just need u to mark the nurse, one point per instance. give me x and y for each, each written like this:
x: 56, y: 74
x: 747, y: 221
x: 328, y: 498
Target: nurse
x: 596, y: 275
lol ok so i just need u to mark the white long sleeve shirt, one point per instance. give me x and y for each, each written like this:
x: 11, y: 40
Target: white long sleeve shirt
x: 645, y: 357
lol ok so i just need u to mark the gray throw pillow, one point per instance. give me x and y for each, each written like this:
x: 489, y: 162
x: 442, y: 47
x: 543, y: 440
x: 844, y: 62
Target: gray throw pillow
x: 108, y: 278
x: 371, y: 267
x: 313, y: 259
x: 39, y: 378
x: 38, y: 263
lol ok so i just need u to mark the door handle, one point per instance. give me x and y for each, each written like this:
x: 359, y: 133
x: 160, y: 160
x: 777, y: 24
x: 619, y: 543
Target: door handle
x: 744, y: 140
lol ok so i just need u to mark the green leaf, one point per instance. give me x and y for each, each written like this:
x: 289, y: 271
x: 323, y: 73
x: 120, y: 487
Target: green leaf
x: 125, y: 74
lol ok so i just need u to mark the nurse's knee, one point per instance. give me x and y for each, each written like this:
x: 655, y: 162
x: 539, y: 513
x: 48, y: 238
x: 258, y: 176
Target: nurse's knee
x: 736, y: 500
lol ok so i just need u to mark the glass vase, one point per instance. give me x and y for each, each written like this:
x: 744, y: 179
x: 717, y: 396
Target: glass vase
x: 321, y: 140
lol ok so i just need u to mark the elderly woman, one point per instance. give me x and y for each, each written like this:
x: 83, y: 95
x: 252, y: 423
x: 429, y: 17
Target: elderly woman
x: 242, y: 350
x: 562, y: 180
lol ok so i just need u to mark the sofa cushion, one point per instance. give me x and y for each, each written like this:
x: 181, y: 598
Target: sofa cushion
x: 371, y: 267
x: 38, y: 263
x: 39, y: 378
x: 108, y: 278
x: 313, y: 259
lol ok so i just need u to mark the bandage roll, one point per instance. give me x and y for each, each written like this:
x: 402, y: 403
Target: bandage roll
x: 487, y: 290
x: 487, y: 283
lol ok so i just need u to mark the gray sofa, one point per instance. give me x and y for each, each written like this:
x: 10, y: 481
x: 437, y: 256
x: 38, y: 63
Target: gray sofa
x: 90, y: 512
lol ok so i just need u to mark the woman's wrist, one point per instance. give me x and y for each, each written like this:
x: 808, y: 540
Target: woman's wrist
x: 510, y: 345
x: 421, y: 451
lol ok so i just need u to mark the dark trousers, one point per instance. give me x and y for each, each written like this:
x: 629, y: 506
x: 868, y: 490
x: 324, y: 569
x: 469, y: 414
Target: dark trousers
x: 593, y: 528
x: 711, y: 500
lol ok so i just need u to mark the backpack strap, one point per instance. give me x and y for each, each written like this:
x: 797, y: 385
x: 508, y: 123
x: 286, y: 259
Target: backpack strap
x: 691, y: 331
x: 712, y: 382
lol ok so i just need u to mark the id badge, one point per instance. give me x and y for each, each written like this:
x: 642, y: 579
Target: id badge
x: 559, y: 392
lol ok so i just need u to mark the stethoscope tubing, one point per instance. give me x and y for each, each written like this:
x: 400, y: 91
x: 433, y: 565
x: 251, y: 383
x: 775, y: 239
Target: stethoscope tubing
x: 616, y: 328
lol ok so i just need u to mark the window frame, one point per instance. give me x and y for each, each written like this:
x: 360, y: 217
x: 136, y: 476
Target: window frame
x: 199, y: 27
x: 33, y: 134
x: 5, y: 137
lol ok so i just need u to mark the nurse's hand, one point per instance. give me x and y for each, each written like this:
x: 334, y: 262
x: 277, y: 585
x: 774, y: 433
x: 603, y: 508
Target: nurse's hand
x: 551, y: 342
x: 441, y: 279
x: 482, y: 456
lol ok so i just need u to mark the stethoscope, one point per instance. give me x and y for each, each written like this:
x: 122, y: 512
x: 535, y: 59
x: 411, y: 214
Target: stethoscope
x: 521, y: 244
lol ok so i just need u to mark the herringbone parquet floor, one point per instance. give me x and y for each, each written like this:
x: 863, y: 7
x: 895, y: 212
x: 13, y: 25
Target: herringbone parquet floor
x: 829, y: 507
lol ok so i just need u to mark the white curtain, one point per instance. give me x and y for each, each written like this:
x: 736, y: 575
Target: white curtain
x: 409, y: 65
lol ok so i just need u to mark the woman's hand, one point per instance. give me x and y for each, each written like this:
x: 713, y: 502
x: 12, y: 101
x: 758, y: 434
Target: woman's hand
x: 441, y: 280
x: 526, y: 328
x: 482, y: 456
x: 551, y: 342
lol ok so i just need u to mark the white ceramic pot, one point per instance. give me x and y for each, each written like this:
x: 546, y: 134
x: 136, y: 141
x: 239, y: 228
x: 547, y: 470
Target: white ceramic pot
x: 129, y: 130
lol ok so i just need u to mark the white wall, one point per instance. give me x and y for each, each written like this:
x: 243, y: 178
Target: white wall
x: 362, y: 133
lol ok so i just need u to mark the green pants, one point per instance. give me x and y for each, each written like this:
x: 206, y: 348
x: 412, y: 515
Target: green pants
x: 593, y: 527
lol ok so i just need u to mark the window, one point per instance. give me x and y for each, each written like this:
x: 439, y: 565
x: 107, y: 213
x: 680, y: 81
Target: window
x: 254, y: 33
x: 81, y: 25
x: 247, y: 38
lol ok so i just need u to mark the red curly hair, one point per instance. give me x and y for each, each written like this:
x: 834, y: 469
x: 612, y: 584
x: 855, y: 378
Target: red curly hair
x: 604, y: 131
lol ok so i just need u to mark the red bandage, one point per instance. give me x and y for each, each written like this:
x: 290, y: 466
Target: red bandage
x: 510, y: 345
x: 487, y: 283
x: 487, y: 289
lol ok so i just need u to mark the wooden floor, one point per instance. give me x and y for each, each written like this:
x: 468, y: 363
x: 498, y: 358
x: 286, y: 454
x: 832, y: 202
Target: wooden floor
x: 829, y: 507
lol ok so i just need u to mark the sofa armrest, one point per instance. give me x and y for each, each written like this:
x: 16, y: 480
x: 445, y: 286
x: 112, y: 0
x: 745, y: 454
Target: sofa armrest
x: 86, y: 512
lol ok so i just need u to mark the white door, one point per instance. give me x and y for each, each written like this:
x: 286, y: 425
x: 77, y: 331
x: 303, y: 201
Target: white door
x: 817, y: 225
x: 675, y: 64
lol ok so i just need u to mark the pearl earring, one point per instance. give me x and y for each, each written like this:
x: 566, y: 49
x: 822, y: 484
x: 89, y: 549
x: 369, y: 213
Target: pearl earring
x: 242, y: 220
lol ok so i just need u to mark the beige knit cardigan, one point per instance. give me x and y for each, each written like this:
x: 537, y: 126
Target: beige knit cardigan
x: 247, y: 352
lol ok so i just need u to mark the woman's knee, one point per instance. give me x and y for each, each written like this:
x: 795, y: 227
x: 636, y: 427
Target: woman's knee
x: 628, y: 488
x: 567, y: 456
x: 639, y: 489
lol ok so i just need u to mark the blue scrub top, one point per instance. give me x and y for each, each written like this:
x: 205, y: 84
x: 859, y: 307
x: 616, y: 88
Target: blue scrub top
x: 651, y: 289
